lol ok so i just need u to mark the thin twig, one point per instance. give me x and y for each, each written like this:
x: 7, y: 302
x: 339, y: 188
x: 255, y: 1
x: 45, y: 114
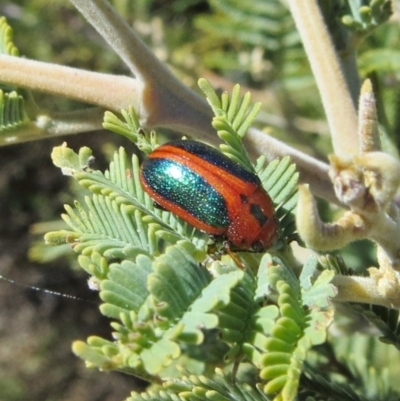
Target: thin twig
x: 46, y: 125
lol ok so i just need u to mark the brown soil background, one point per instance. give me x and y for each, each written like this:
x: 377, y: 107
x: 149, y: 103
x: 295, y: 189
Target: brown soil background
x: 36, y: 328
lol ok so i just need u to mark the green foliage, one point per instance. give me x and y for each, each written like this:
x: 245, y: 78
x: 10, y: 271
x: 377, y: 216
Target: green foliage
x: 6, y: 36
x: 236, y: 26
x: 233, y: 117
x: 380, y: 60
x: 166, y: 306
x: 297, y: 328
x: 222, y: 387
x: 280, y: 179
x: 12, y: 111
x: 322, y: 389
x: 384, y: 319
x: 156, y: 303
x: 365, y: 18
x: 363, y: 370
x: 130, y: 128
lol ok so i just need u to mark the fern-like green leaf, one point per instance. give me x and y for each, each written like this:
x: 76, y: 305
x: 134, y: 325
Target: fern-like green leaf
x: 184, y: 292
x: 69, y: 161
x: 158, y: 304
x: 255, y: 24
x: 6, y: 36
x: 125, y: 289
x: 213, y: 298
x: 221, y: 387
x: 385, y: 320
x: 95, y: 265
x: 13, y: 116
x: 114, y: 231
x: 279, y: 178
x: 317, y: 293
x: 92, y: 356
x: 131, y: 129
x: 296, y: 329
x: 233, y: 117
x: 323, y: 389
x: 142, y: 346
x: 152, y: 395
x: 236, y: 318
x: 12, y: 113
x: 368, y: 360
x: 108, y: 355
x: 256, y: 40
x: 176, y: 282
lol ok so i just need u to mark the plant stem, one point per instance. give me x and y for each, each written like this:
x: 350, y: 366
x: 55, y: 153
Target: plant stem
x: 85, y: 86
x: 165, y: 101
x: 47, y: 125
x: 336, y: 98
x: 364, y: 290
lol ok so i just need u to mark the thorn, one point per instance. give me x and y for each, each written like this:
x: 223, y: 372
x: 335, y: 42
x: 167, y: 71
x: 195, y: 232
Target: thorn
x: 368, y: 134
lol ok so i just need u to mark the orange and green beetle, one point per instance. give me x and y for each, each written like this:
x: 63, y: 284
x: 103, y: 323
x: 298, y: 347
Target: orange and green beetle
x: 212, y: 193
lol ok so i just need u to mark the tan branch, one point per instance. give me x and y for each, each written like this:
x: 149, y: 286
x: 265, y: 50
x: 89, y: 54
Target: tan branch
x: 335, y: 95
x: 368, y: 290
x: 111, y: 92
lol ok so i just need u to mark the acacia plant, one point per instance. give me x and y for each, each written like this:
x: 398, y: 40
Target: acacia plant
x: 197, y: 327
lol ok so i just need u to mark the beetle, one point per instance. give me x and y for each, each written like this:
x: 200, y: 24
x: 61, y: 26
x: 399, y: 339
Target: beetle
x: 212, y: 193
